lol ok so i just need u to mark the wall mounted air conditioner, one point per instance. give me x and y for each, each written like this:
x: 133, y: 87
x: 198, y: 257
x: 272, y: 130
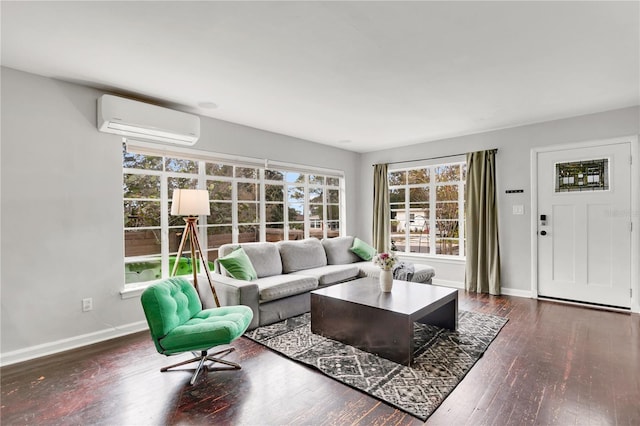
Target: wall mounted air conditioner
x: 139, y: 120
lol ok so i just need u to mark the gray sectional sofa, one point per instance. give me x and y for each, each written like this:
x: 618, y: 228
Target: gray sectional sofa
x: 287, y: 271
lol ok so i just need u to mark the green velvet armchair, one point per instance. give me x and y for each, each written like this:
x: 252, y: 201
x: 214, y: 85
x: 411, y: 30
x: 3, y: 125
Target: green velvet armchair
x: 178, y: 324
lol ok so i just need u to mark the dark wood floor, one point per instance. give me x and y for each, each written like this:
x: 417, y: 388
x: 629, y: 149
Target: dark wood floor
x: 551, y: 364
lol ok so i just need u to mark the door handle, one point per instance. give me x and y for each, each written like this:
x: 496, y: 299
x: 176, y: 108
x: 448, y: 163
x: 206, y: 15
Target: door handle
x: 543, y: 233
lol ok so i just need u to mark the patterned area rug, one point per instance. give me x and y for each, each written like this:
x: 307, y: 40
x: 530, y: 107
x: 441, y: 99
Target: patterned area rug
x: 442, y: 359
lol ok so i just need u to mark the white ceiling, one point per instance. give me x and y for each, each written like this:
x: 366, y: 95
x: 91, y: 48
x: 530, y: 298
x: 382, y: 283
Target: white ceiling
x: 358, y: 75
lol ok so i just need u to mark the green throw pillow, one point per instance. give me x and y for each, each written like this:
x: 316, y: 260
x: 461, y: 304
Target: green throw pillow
x: 239, y: 266
x: 362, y: 249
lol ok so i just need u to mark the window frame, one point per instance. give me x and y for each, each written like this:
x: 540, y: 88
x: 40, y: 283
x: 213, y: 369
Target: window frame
x: 202, y: 182
x: 431, y: 222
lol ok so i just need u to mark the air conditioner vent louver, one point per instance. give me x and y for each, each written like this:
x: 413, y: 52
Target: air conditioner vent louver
x: 145, y: 121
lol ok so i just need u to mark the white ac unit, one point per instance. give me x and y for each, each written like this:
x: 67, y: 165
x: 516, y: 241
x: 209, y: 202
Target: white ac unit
x: 139, y: 120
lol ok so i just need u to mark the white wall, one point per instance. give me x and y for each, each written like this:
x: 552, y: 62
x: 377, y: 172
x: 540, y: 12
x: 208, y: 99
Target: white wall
x: 61, y: 212
x: 513, y: 172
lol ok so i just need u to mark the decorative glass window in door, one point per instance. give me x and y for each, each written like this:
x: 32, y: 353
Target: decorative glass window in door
x: 587, y: 175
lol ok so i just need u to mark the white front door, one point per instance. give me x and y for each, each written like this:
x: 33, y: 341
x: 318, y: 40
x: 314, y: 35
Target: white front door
x: 584, y: 229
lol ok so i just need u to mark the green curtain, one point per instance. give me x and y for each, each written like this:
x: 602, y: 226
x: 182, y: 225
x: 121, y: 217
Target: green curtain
x: 381, y: 218
x: 482, y: 274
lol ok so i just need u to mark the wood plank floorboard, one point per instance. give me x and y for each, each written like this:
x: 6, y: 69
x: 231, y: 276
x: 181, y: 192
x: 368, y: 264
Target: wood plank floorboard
x: 551, y: 364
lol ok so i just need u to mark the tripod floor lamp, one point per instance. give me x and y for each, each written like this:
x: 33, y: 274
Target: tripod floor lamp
x: 192, y: 203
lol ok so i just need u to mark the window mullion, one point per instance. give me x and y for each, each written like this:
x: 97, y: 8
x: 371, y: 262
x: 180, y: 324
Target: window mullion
x: 263, y: 206
x: 461, y: 222
x: 164, y: 225
x: 202, y: 231
x: 235, y: 231
x: 285, y: 214
x: 325, y: 199
x: 407, y: 209
x: 143, y: 172
x: 432, y: 211
x: 342, y: 207
x: 306, y: 219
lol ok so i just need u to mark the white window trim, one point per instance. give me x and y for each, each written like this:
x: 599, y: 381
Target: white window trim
x: 144, y: 148
x: 140, y: 147
x: 411, y: 165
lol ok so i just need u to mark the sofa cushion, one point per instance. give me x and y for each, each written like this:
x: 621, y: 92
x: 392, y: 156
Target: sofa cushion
x: 362, y: 249
x: 368, y: 269
x: 279, y: 286
x: 239, y: 266
x: 209, y: 326
x: 264, y: 257
x: 338, y: 251
x: 331, y: 274
x: 302, y: 254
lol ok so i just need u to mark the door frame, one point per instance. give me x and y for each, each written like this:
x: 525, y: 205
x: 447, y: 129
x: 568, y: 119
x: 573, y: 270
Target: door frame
x: 634, y: 214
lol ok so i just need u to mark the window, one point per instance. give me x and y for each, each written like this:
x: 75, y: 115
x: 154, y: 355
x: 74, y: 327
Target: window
x: 248, y: 203
x: 427, y: 209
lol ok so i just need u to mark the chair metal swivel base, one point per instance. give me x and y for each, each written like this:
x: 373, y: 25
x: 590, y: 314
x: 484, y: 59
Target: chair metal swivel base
x: 203, y: 357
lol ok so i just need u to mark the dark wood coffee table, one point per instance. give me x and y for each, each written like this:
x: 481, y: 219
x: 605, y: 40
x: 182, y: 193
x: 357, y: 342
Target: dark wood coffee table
x: 359, y: 314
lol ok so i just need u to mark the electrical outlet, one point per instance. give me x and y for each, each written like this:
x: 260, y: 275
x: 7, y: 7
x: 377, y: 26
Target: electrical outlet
x: 87, y: 304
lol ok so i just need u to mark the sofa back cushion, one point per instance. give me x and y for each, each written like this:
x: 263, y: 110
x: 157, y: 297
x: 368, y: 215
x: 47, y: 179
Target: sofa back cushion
x: 301, y: 254
x: 338, y: 251
x: 264, y: 257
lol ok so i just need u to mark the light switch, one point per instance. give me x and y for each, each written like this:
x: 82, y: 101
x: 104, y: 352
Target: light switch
x: 518, y: 209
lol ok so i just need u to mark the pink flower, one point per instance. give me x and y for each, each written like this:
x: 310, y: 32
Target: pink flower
x: 385, y: 260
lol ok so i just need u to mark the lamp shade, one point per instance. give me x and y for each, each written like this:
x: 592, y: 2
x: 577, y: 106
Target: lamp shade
x: 190, y: 202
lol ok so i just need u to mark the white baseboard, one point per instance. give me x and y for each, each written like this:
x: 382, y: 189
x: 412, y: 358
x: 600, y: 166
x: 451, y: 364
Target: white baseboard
x: 515, y: 292
x: 447, y: 283
x: 503, y: 290
x: 51, y: 348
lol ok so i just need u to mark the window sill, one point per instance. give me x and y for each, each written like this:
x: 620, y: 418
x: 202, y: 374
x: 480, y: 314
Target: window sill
x: 134, y: 291
x: 441, y: 258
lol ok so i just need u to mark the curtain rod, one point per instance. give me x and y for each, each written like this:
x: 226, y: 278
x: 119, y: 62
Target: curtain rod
x: 435, y: 158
